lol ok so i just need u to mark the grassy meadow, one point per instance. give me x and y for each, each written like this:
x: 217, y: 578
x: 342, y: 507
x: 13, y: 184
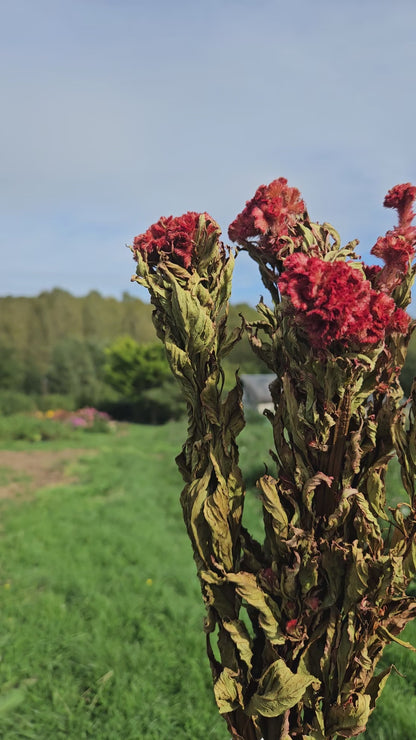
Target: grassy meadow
x: 101, y: 616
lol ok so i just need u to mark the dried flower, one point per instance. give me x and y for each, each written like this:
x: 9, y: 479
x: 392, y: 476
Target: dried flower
x: 396, y: 248
x: 327, y: 588
x: 271, y: 214
x: 173, y: 237
x: 371, y: 272
x: 402, y: 197
x: 333, y: 302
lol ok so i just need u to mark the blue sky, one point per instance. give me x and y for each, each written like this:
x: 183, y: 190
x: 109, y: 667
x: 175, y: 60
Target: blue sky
x: 116, y: 112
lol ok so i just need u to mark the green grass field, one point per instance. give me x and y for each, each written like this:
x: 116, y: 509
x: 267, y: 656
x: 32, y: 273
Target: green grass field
x: 101, y: 632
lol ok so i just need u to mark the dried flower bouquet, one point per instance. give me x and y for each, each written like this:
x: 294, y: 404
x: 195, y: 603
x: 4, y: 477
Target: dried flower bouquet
x: 301, y: 619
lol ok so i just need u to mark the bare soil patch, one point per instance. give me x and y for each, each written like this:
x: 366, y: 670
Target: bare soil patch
x: 22, y: 472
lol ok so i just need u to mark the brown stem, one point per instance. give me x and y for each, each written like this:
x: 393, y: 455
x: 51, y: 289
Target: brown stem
x: 276, y: 727
x: 241, y: 726
x: 325, y: 503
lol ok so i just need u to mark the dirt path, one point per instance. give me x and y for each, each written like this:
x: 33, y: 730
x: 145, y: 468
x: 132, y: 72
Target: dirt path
x: 22, y: 472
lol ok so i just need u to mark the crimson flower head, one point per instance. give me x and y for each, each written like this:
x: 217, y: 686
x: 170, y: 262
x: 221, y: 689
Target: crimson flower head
x: 398, y: 247
x: 173, y: 238
x: 402, y: 198
x: 274, y: 210
x: 334, y: 302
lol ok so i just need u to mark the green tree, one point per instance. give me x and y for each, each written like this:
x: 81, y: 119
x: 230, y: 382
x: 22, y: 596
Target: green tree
x: 35, y: 326
x: 72, y: 371
x: 133, y: 368
x: 34, y: 380
x: 11, y: 368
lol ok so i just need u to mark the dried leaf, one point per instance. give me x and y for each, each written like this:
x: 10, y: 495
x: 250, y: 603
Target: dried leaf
x: 333, y: 564
x: 376, y: 490
x: 366, y: 524
x: 192, y: 320
x: 357, y: 577
x: 248, y: 589
x: 210, y: 399
x: 384, y: 632
x: 229, y: 341
x: 182, y: 369
x: 342, y: 510
x: 279, y: 689
x: 227, y: 691
x: 346, y: 647
x: 311, y: 485
x: 240, y: 637
x: 232, y: 416
x: 271, y: 502
x: 376, y: 685
x: 216, y: 511
x: 293, y: 412
x: 353, y: 454
x: 350, y: 718
x: 193, y: 500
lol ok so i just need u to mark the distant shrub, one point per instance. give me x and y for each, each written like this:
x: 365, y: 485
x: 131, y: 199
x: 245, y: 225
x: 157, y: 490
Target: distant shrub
x: 33, y: 429
x: 15, y: 402
x: 134, y: 368
x: 89, y: 419
x: 54, y: 424
x: 155, y: 406
x: 55, y: 401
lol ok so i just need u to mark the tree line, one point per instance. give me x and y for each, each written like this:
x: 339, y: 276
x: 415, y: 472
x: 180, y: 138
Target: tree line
x: 59, y: 349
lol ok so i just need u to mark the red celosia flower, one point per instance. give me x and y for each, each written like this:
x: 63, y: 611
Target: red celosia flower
x: 333, y: 302
x: 371, y: 272
x: 399, y: 322
x: 386, y: 318
x: 174, y: 237
x: 396, y: 248
x: 271, y: 214
x: 402, y: 198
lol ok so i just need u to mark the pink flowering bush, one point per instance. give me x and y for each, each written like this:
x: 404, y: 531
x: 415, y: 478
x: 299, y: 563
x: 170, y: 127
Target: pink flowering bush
x: 301, y: 618
x: 86, y: 418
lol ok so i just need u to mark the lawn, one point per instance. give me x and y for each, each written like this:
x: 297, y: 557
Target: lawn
x: 101, y: 613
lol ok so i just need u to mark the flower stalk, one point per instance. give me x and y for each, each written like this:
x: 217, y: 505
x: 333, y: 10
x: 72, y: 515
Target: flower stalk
x: 189, y: 289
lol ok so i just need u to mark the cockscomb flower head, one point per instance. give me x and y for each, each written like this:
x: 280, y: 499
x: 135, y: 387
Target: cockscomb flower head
x: 271, y: 215
x: 334, y: 302
x: 173, y: 238
x: 398, y: 247
x: 402, y: 197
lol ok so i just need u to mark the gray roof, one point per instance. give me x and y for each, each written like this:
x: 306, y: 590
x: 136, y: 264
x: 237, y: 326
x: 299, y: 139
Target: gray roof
x: 256, y: 387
